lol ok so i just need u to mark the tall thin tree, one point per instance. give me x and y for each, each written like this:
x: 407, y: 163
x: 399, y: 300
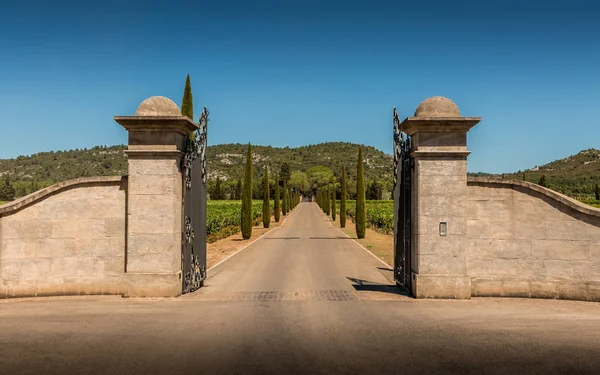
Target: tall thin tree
x: 343, y: 200
x: 187, y: 104
x: 361, y: 204
x: 266, y: 201
x: 276, y: 206
x: 333, y: 208
x: 247, y: 197
x: 284, y: 206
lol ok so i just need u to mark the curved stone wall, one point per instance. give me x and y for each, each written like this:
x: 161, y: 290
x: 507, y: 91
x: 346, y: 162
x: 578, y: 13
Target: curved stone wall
x: 66, y: 239
x: 528, y: 241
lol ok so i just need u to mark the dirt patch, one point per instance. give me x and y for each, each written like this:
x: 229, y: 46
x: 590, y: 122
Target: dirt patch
x: 382, y: 245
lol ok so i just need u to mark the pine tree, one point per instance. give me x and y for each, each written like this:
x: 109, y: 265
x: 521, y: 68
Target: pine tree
x: 343, y: 200
x: 284, y: 206
x: 361, y: 205
x: 333, y: 202
x: 187, y: 104
x: 524, y: 179
x: 542, y: 181
x: 597, y: 192
x: 276, y: 207
x: 266, y: 199
x: 7, y: 191
x: 247, y: 197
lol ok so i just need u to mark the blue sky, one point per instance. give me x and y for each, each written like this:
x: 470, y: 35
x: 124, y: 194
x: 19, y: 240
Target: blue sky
x: 286, y: 73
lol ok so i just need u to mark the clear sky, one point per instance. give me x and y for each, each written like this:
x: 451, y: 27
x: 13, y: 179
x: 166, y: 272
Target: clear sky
x: 291, y: 73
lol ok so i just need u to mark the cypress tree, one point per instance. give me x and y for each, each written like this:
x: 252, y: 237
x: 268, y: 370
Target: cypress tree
x: 276, y: 207
x: 333, y: 202
x: 343, y: 200
x: 361, y: 205
x: 284, y: 206
x: 218, y: 193
x: 238, y: 190
x: 187, y: 104
x: 597, y: 192
x: 247, y: 197
x: 542, y: 181
x: 327, y: 200
x: 266, y: 201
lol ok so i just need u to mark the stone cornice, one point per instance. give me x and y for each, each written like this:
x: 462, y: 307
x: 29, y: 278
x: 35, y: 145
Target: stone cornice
x: 412, y: 125
x: 14, y: 206
x: 440, y: 153
x: 179, y: 124
x: 525, y: 186
x: 153, y: 154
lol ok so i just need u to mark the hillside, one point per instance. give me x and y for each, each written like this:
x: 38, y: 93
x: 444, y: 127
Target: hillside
x: 225, y: 160
x: 575, y: 175
x: 29, y: 173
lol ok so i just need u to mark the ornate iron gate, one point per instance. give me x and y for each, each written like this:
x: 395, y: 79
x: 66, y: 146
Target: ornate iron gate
x: 193, y: 238
x: 403, y: 167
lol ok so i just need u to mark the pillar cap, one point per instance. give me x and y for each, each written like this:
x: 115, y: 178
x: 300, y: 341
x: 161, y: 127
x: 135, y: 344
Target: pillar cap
x: 158, y: 106
x: 437, y: 106
x: 157, y: 114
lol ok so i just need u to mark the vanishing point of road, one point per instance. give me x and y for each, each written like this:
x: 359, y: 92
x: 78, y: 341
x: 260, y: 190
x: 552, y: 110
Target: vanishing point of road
x: 302, y: 299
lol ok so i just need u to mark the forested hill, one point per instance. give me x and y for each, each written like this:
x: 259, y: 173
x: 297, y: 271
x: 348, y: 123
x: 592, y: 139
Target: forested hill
x: 225, y: 160
x: 574, y: 175
x: 29, y: 173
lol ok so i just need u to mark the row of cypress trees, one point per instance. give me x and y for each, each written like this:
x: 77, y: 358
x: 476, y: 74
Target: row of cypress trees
x: 325, y: 198
x: 290, y: 199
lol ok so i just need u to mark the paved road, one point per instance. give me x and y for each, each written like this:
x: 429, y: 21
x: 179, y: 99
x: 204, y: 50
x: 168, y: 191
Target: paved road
x: 305, y: 254
x: 243, y: 323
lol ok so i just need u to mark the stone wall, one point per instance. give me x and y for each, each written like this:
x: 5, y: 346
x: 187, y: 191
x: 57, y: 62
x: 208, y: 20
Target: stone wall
x: 64, y: 240
x: 528, y: 241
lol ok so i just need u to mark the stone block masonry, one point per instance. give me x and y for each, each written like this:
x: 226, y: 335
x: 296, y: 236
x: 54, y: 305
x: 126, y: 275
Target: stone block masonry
x: 105, y: 235
x: 66, y: 239
x: 528, y: 241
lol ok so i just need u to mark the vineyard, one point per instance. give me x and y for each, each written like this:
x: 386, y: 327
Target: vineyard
x: 380, y: 214
x: 223, y: 218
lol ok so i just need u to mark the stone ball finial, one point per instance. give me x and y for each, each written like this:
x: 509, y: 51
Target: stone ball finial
x: 158, y: 106
x: 437, y: 106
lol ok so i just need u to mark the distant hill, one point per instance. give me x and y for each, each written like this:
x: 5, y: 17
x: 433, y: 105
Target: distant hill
x: 30, y: 173
x: 225, y: 160
x: 576, y: 175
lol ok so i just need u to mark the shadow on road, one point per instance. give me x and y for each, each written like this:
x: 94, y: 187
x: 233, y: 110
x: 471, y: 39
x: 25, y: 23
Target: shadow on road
x: 369, y: 286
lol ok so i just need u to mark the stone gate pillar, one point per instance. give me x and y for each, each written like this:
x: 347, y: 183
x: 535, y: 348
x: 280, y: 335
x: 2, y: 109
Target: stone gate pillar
x: 439, y: 198
x: 157, y: 141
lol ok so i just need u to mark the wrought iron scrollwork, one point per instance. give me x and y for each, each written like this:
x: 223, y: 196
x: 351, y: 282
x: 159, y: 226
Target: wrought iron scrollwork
x: 403, y: 165
x: 196, y: 147
x: 195, y: 276
x: 401, y: 145
x: 188, y: 232
x: 193, y: 235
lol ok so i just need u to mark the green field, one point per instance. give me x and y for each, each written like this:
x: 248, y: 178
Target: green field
x: 591, y: 202
x: 223, y: 218
x: 380, y: 214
